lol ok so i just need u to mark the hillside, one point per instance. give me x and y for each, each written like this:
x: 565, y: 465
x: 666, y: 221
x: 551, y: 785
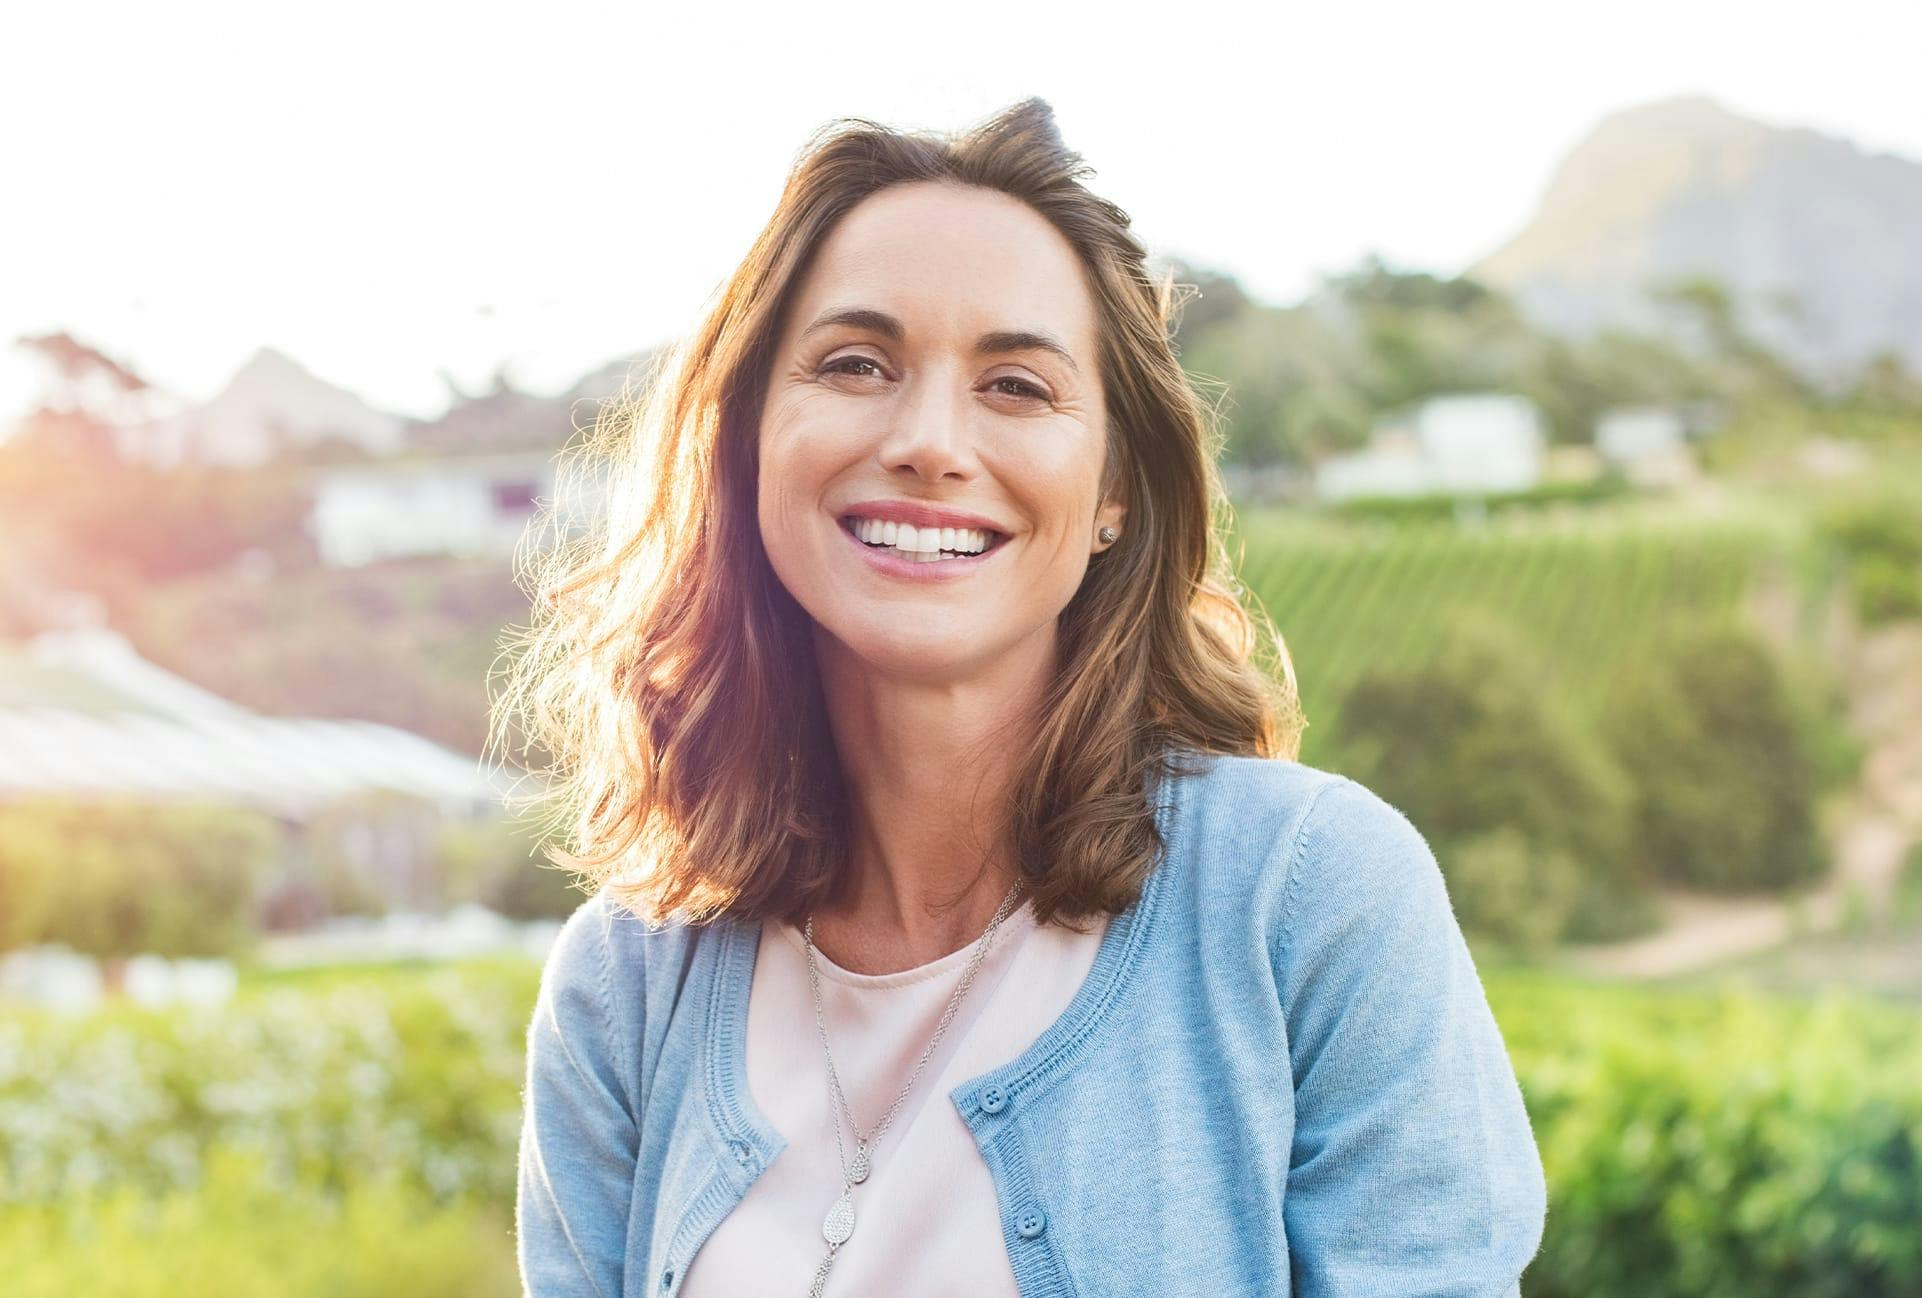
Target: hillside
x: 1683, y: 187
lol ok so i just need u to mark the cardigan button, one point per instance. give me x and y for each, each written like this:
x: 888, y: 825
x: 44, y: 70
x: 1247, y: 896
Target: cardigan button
x: 994, y: 1099
x: 667, y: 1279
x: 1031, y: 1223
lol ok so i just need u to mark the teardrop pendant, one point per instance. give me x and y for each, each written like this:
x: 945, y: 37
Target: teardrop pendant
x: 840, y: 1220
x: 859, y: 1171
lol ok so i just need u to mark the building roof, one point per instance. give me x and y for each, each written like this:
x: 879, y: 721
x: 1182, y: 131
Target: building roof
x: 82, y: 714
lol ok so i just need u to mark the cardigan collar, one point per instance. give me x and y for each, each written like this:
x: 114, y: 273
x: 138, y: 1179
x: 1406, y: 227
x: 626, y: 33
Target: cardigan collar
x: 752, y: 1142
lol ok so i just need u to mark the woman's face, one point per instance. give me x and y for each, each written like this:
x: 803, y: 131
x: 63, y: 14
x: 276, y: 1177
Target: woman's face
x: 913, y: 385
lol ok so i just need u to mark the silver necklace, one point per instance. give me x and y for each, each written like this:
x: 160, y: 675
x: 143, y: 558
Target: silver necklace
x: 839, y: 1224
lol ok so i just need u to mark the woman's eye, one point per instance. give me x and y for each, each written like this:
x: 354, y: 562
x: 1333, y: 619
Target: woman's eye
x: 834, y: 367
x: 840, y: 365
x: 1028, y: 389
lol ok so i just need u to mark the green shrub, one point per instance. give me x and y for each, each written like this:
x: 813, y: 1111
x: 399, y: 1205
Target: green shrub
x: 1863, y: 526
x: 1724, y: 783
x: 1885, y: 589
x: 495, y: 862
x: 1720, y: 1145
x: 330, y: 1082
x: 1880, y: 539
x: 117, y: 878
x: 1504, y: 888
x: 1473, y: 741
x: 1907, y: 907
x: 240, y: 1233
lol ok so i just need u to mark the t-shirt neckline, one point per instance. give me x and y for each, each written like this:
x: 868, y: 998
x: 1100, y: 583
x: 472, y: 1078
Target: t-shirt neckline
x: 1015, y: 926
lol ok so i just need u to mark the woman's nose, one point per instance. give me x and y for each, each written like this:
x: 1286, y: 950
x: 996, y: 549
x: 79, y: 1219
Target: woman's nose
x: 930, y: 433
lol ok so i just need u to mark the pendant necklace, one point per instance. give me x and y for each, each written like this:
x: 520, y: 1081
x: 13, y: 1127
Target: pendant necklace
x: 839, y: 1225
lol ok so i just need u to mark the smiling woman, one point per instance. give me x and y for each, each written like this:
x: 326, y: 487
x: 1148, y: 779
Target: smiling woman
x: 965, y: 923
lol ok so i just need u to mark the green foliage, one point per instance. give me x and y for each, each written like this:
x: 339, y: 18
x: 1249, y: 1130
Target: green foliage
x: 112, y: 879
x: 496, y: 862
x: 1724, y: 786
x: 1513, y: 892
x: 240, y: 1233
x: 1720, y: 1145
x: 1292, y: 389
x: 1472, y: 741
x: 1586, y: 593
x: 1885, y: 590
x: 1878, y: 536
x: 354, y: 1132
x: 1907, y: 905
x: 1861, y: 526
x: 409, y: 1077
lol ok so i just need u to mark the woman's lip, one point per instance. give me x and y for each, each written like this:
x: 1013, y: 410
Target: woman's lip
x: 891, y: 563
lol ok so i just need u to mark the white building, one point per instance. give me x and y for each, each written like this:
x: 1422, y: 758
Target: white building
x: 1648, y: 444
x: 469, y: 506
x: 1460, y: 443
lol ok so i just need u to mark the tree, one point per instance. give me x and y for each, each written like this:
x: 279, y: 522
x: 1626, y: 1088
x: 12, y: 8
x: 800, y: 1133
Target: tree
x: 1724, y: 784
x: 1473, y: 741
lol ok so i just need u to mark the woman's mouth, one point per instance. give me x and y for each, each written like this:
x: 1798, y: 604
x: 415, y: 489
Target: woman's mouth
x: 904, y: 550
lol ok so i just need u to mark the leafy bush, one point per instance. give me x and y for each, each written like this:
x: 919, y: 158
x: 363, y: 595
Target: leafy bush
x: 1720, y: 1145
x: 1724, y: 782
x: 1516, y: 894
x: 1907, y: 909
x: 1445, y: 505
x: 241, y: 1234
x: 416, y: 1077
x: 115, y: 879
x: 1472, y: 741
x: 1880, y: 539
x: 496, y: 863
x: 1885, y: 589
x: 1873, y: 525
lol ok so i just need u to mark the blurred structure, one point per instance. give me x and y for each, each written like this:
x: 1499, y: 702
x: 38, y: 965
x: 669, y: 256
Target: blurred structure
x: 82, y: 716
x: 1460, y: 442
x: 1648, y: 444
x: 467, y: 506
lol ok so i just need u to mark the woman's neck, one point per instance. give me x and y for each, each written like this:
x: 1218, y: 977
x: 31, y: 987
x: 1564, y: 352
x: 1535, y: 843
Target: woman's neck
x: 928, y: 767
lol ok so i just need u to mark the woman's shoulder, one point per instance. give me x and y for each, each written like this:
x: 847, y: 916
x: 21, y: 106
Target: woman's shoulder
x: 610, y: 956
x: 1304, y: 845
x: 1266, y: 811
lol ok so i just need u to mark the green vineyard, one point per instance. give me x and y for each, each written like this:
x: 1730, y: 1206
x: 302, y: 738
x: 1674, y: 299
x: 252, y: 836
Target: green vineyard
x: 1586, y: 590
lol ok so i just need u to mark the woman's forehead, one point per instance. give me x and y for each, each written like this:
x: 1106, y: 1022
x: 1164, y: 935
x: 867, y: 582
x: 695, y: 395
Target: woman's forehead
x: 939, y: 258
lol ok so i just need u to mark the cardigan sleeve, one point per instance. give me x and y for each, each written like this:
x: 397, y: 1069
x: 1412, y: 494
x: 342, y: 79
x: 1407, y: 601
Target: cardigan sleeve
x: 579, y: 1140
x: 1414, y: 1169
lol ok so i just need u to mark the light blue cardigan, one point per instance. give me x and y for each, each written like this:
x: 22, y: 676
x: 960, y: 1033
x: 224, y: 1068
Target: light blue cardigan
x: 1280, y: 1076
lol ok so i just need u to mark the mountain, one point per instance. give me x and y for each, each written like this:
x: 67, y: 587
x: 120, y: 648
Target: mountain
x: 508, y: 419
x: 269, y: 407
x: 1683, y: 187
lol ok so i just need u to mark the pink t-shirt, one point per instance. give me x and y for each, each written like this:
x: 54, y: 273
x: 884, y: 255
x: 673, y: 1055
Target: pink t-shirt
x: 926, y: 1220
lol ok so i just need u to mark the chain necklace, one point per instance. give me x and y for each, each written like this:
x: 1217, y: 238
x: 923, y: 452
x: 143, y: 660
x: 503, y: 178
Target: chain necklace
x: 839, y: 1224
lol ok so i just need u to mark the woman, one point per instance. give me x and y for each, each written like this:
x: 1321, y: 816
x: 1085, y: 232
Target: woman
x: 964, y: 924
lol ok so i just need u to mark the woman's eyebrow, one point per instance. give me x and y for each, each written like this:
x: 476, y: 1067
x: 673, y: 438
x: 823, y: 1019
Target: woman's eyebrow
x: 994, y: 343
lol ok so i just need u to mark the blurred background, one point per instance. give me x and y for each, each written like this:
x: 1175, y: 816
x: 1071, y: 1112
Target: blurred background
x: 1570, y: 364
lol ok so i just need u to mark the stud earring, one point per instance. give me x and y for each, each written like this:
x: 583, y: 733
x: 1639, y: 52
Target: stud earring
x: 1108, y: 535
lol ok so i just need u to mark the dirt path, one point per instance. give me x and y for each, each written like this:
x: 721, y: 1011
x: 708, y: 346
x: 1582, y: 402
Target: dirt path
x: 1874, y: 827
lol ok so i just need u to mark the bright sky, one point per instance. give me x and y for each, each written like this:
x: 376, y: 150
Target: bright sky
x: 386, y: 190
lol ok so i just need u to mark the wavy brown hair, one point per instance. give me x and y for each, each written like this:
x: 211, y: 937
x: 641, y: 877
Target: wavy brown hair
x: 670, y: 677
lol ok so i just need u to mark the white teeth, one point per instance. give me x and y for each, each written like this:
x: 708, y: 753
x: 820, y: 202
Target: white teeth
x: 924, y: 544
